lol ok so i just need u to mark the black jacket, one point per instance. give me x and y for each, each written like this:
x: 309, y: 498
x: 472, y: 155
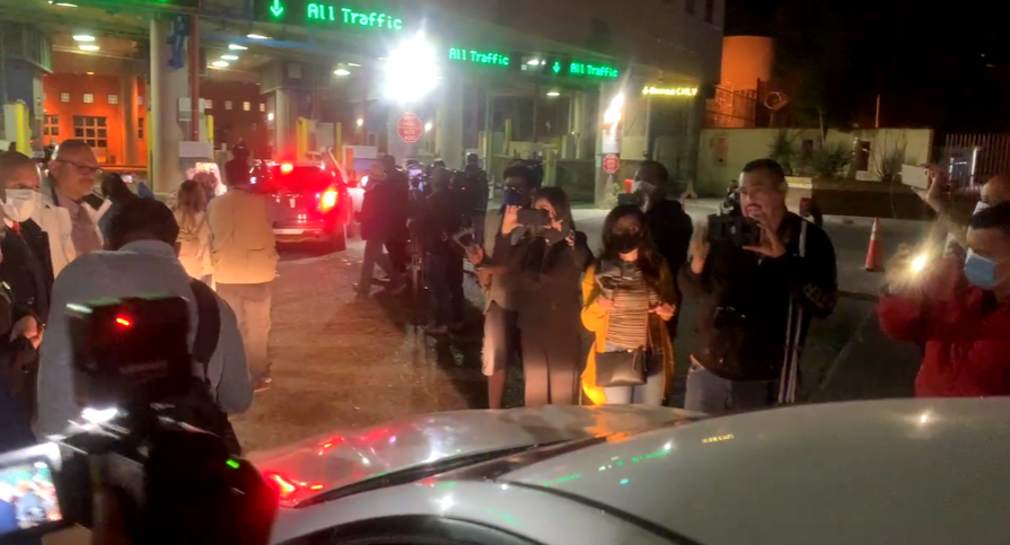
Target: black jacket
x: 385, y: 210
x: 744, y: 302
x: 547, y: 280
x: 671, y: 230
x: 25, y: 270
x: 440, y: 217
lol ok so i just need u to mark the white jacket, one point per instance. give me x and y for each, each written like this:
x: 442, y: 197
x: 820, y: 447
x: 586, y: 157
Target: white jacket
x: 55, y: 221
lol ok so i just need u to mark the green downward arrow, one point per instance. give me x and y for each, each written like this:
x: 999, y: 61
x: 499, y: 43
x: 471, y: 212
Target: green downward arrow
x: 277, y: 8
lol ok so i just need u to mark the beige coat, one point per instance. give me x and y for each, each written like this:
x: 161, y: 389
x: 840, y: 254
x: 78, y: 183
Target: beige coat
x: 243, y: 249
x: 194, y: 245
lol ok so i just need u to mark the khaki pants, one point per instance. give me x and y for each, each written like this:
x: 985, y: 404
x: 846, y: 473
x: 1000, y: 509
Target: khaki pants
x: 251, y: 304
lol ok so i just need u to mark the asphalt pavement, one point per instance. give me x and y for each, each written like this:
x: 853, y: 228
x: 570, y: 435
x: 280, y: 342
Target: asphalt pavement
x: 342, y: 361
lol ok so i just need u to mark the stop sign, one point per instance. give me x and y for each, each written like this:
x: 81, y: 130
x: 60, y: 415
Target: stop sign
x: 410, y: 128
x: 611, y: 163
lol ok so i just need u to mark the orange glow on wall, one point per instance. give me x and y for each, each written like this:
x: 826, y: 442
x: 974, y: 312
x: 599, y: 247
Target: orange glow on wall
x: 745, y: 60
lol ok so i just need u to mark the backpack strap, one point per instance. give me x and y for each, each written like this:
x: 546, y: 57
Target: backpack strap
x: 208, y: 326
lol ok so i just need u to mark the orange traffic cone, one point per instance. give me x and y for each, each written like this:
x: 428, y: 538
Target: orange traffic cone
x: 873, y: 251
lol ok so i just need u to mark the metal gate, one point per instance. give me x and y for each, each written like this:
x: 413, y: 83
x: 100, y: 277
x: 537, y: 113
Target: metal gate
x: 973, y: 157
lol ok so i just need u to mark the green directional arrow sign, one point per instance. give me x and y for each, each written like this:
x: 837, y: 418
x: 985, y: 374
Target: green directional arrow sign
x: 277, y: 8
x: 556, y: 67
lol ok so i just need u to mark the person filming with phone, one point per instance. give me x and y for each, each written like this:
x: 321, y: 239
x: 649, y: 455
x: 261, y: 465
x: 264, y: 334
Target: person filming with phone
x: 958, y: 310
x: 758, y: 280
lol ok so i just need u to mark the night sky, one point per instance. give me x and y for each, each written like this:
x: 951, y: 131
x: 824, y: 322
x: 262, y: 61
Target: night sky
x: 946, y: 69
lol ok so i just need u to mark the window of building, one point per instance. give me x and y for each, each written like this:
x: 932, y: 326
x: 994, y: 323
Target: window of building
x: 246, y: 106
x: 64, y: 97
x: 690, y: 7
x: 112, y: 99
x: 227, y: 105
x: 92, y: 130
x: 89, y: 98
x: 263, y: 107
x: 140, y: 127
x: 709, y: 11
x: 140, y: 100
x: 209, y: 103
x: 51, y: 125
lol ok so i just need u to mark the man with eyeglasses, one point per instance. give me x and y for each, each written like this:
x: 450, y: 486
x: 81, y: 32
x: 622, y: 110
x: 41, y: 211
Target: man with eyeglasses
x: 70, y: 209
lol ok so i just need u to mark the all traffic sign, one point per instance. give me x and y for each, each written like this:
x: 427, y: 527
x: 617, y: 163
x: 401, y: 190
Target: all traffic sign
x: 410, y: 128
x: 611, y: 163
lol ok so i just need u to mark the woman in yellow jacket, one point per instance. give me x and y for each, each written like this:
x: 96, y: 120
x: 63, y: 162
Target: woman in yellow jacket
x: 628, y: 295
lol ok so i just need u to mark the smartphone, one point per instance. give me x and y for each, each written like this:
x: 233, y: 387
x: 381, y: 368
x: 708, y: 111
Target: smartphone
x: 29, y: 500
x: 534, y: 218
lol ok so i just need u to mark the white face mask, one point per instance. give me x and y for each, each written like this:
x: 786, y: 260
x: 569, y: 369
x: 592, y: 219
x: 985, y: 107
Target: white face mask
x: 20, y: 204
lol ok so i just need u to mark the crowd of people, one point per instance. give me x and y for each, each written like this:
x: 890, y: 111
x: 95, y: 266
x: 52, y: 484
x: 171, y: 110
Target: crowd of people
x: 587, y: 321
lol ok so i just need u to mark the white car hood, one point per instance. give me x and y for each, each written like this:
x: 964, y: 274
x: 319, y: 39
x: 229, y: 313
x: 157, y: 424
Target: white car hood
x: 901, y: 471
x: 345, y: 457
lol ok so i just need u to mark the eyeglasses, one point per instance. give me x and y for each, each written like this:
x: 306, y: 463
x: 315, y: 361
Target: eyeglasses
x: 82, y: 168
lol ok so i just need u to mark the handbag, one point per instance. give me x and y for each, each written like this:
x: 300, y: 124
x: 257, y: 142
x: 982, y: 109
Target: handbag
x: 621, y: 368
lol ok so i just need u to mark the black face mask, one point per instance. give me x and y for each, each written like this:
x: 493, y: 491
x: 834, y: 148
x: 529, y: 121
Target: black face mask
x: 626, y: 242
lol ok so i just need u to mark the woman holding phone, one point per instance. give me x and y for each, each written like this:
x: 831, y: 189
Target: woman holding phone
x: 628, y: 296
x: 550, y: 256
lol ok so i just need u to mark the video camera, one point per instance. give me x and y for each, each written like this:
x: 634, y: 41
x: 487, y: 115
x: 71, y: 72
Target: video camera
x: 176, y: 483
x: 735, y: 230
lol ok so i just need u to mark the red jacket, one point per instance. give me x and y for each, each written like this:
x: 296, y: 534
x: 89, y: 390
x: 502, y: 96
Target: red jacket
x: 965, y: 333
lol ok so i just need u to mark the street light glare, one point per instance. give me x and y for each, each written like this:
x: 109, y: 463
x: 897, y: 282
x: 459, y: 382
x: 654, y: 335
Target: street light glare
x: 341, y: 72
x: 91, y: 48
x: 83, y: 38
x: 615, y: 110
x: 428, y: 126
x: 553, y: 94
x: 229, y: 57
x: 411, y: 70
x: 360, y: 122
x: 220, y: 64
x: 237, y: 47
x: 254, y: 36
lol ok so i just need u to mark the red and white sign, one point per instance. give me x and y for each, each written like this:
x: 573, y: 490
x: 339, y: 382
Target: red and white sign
x: 611, y: 163
x: 410, y: 128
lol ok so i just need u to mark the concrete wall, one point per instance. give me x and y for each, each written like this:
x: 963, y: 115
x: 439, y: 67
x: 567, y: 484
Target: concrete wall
x: 722, y: 153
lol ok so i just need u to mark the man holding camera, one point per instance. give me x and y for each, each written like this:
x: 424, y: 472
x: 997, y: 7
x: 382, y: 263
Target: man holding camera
x: 756, y: 298
x: 143, y: 261
x: 959, y: 311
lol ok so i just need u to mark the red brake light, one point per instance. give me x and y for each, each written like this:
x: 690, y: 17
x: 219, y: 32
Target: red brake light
x: 328, y: 200
x: 123, y: 321
x: 287, y: 168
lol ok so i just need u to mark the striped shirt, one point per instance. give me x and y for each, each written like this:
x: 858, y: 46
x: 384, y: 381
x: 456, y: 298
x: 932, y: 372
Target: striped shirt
x: 629, y: 319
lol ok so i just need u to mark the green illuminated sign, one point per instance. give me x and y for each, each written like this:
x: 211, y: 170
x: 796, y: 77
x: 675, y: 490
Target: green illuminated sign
x: 592, y: 70
x: 302, y: 12
x: 477, y: 56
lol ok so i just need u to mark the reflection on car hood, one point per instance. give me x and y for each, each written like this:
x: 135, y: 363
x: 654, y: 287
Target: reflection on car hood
x: 345, y: 457
x: 893, y: 471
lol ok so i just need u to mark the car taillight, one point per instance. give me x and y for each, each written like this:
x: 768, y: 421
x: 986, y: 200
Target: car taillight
x: 328, y: 200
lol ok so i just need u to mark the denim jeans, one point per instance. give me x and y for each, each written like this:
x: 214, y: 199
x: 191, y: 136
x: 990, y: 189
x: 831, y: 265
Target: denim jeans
x: 445, y: 280
x: 711, y: 394
x: 650, y: 393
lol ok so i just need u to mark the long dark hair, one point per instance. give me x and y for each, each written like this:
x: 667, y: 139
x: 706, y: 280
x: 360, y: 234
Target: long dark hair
x: 649, y: 259
x: 559, y: 202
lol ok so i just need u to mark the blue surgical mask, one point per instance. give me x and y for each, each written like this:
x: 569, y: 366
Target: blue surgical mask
x: 980, y: 271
